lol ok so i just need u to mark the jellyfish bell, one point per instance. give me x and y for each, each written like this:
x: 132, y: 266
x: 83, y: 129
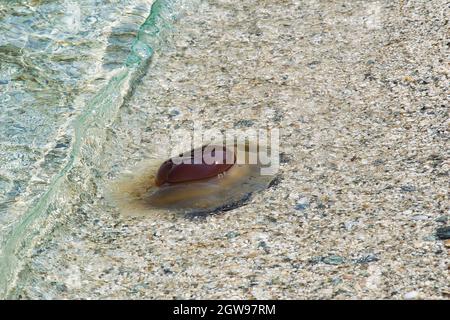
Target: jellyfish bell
x: 196, y: 166
x: 200, y: 181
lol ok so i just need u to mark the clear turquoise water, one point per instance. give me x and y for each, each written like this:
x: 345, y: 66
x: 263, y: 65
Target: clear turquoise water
x: 65, y: 69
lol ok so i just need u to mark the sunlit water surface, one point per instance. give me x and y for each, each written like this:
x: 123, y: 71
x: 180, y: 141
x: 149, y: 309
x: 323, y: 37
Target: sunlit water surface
x: 66, y: 68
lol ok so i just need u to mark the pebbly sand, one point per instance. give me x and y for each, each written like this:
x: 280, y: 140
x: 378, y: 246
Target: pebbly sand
x: 359, y: 90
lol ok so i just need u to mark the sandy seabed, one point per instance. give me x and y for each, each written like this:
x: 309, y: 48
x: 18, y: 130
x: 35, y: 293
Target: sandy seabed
x: 359, y: 91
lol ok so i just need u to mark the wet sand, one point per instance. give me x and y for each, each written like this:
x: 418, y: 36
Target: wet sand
x: 358, y: 89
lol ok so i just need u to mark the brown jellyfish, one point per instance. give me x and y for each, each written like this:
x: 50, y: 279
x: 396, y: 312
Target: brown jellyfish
x: 203, y: 180
x: 194, y: 166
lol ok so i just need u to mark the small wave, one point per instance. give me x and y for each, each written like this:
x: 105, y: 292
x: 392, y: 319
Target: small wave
x: 84, y: 149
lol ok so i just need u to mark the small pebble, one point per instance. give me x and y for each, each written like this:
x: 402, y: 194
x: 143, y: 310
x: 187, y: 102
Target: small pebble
x: 408, y: 188
x: 419, y: 217
x: 264, y: 246
x: 313, y: 64
x: 429, y: 238
x: 243, y: 123
x: 232, y: 234
x: 443, y: 233
x: 336, y: 280
x: 174, y: 113
x: 348, y: 225
x: 442, y: 219
x: 411, y: 295
x: 301, y: 206
x: 367, y: 259
x: 447, y: 243
x: 333, y: 260
x: 61, y: 146
x: 166, y: 270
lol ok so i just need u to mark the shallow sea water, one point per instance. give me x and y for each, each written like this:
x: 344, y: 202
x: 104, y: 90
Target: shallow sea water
x: 66, y: 68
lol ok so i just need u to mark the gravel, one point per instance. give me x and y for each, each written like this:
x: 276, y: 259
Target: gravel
x: 359, y: 89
